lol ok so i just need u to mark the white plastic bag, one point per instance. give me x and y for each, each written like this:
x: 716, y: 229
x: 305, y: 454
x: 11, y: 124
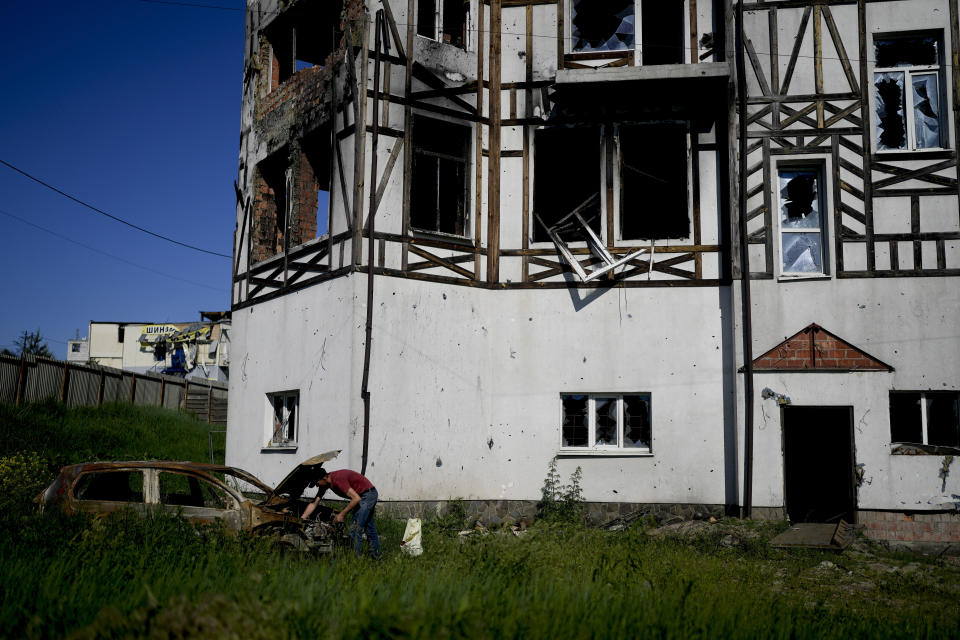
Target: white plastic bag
x: 412, y: 543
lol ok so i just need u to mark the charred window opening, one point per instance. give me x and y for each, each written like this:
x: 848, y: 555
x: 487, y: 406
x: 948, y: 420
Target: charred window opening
x: 270, y: 206
x: 801, y: 220
x: 112, y: 486
x: 440, y: 187
x: 444, y: 20
x: 178, y: 489
x: 653, y: 182
x: 284, y: 410
x: 605, y: 422
x: 303, y: 37
x: 908, y: 91
x: 925, y: 417
x: 661, y: 37
x: 566, y: 174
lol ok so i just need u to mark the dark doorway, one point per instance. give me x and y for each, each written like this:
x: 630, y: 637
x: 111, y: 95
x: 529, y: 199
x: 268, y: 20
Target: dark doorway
x: 818, y: 463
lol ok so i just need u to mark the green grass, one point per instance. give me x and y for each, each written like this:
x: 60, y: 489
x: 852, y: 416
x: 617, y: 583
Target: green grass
x: 131, y: 577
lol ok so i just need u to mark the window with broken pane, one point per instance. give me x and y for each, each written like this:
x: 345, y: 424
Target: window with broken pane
x: 284, y: 409
x: 653, y: 181
x: 302, y: 37
x: 605, y: 422
x: 801, y: 220
x: 925, y: 417
x: 440, y: 184
x: 653, y: 28
x: 908, y: 88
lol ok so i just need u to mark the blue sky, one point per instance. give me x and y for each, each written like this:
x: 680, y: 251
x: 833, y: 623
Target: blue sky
x: 134, y: 108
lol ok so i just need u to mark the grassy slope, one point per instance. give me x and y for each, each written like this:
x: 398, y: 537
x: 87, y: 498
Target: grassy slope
x: 156, y: 577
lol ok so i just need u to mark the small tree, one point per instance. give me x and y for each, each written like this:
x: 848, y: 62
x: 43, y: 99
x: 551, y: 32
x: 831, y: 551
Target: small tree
x: 31, y: 343
x: 562, y: 502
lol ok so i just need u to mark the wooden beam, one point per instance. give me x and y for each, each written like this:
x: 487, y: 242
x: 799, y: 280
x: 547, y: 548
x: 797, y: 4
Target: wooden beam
x: 493, y: 161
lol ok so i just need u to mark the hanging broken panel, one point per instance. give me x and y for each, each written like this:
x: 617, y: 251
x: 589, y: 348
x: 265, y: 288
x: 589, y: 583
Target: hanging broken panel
x: 926, y: 110
x: 891, y: 116
x: 653, y: 182
x: 566, y: 173
x: 603, y: 25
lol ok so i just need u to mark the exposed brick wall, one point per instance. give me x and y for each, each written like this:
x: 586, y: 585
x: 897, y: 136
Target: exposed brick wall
x: 910, y: 527
x: 303, y: 222
x: 827, y: 352
x: 266, y: 233
x: 269, y: 225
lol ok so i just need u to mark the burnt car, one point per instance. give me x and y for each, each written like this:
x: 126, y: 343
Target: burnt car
x: 202, y: 494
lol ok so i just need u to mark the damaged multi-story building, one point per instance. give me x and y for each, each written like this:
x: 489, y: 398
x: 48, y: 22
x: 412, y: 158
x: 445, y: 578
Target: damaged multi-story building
x: 475, y: 236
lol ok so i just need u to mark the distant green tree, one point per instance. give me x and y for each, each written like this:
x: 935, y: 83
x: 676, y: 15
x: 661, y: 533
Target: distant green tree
x: 31, y: 343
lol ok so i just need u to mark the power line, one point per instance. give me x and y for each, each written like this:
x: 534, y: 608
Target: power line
x: 109, y: 255
x: 112, y: 217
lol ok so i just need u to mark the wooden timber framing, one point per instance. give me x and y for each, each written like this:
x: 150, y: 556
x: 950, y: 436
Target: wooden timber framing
x: 835, y: 126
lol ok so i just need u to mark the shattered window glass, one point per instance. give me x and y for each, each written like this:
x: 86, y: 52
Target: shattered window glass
x: 606, y: 422
x: 801, y: 223
x: 605, y: 415
x: 575, y: 430
x: 907, y: 82
x: 891, y: 119
x: 926, y: 110
x: 636, y: 421
x: 603, y: 25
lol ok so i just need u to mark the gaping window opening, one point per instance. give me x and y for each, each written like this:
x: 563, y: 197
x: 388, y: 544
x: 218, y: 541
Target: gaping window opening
x: 654, y: 194
x: 925, y: 417
x: 440, y: 186
x: 909, y: 92
x: 598, y: 26
x: 271, y: 206
x: 444, y: 20
x: 314, y: 185
x: 284, y: 416
x: 184, y: 490
x: 303, y: 37
x: 802, y: 220
x: 112, y: 486
x: 606, y: 422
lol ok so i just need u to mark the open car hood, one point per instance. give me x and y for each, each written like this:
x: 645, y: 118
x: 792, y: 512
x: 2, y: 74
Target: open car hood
x: 294, y: 484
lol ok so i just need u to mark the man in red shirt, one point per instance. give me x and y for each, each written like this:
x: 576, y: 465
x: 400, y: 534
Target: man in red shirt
x: 359, y: 491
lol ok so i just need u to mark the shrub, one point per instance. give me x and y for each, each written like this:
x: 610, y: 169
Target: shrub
x: 22, y: 476
x: 561, y: 503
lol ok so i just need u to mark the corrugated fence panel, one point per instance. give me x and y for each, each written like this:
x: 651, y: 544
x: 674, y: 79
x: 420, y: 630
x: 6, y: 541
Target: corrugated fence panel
x: 9, y: 374
x: 44, y: 380
x: 115, y: 388
x: 173, y: 394
x: 148, y: 392
x: 83, y: 386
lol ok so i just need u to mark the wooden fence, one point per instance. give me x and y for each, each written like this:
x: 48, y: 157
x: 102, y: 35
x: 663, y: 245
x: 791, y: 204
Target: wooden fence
x: 32, y: 379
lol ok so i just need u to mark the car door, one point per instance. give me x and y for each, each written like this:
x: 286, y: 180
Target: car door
x: 198, y: 499
x: 109, y: 490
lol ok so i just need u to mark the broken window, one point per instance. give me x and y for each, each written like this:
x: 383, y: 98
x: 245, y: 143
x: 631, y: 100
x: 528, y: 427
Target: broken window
x: 283, y: 418
x: 270, y: 207
x: 444, y: 20
x: 801, y: 220
x: 925, y: 417
x: 302, y: 37
x: 653, y: 181
x: 111, y: 486
x: 613, y: 25
x: 312, y: 188
x: 566, y: 175
x: 440, y: 186
x: 605, y: 422
x: 180, y: 489
x: 908, y: 83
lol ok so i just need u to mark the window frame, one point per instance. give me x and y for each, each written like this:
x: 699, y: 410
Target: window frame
x: 467, y: 162
x: 273, y: 442
x: 637, y: 49
x: 818, y: 163
x: 909, y: 71
x: 924, y: 407
x: 438, y: 32
x: 592, y: 448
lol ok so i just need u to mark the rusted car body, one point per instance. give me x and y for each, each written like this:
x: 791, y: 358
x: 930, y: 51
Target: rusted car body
x: 201, y: 493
